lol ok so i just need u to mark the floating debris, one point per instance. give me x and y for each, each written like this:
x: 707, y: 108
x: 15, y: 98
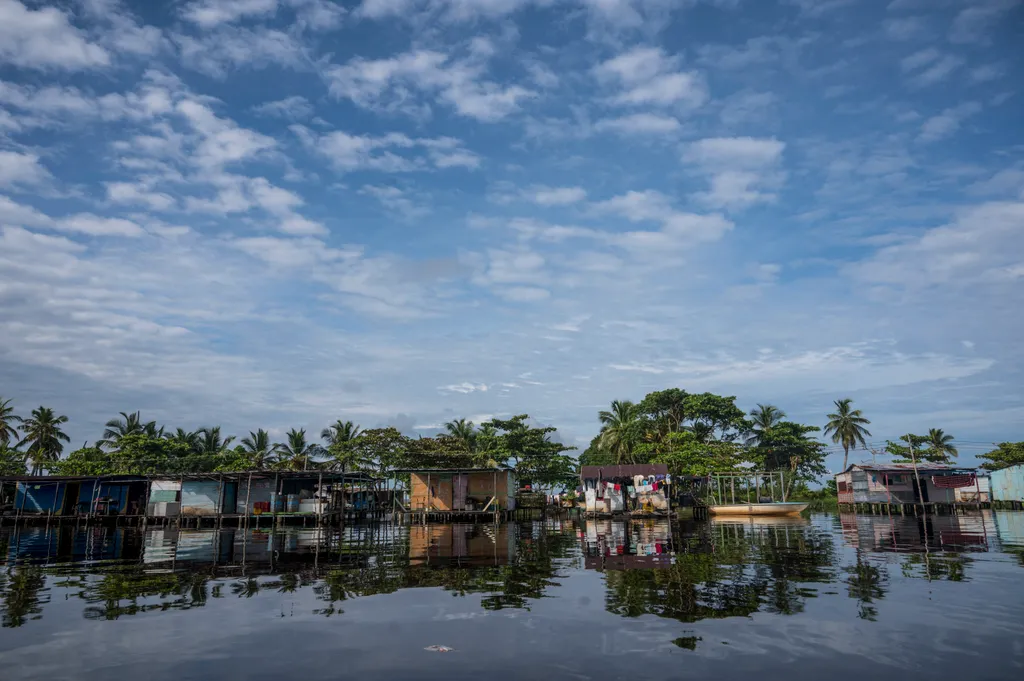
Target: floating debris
x: 439, y: 649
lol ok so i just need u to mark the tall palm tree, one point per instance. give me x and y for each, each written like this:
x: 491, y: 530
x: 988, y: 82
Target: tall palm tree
x: 295, y: 453
x: 8, y: 431
x: 846, y: 426
x: 152, y: 430
x: 616, y: 425
x: 43, y: 437
x: 463, y: 430
x: 761, y: 421
x: 340, y: 433
x: 210, y: 441
x: 258, y: 449
x: 116, y: 429
x: 192, y: 440
x: 940, y: 445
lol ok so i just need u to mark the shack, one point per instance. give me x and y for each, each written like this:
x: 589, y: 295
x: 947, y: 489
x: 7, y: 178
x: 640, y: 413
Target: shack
x: 623, y: 489
x: 896, y: 483
x: 79, y: 495
x: 1008, y: 486
x: 460, y: 491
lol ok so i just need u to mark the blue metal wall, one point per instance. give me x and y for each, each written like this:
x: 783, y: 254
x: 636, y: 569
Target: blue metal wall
x: 39, y: 498
x: 1008, y: 484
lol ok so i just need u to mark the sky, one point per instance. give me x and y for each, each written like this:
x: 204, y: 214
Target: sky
x: 279, y: 213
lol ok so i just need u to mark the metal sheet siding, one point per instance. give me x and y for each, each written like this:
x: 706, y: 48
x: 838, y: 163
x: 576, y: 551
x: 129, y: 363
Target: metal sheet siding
x: 200, y: 497
x: 1008, y: 484
x: 31, y: 498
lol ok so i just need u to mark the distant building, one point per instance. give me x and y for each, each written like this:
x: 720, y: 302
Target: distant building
x: 461, y: 490
x: 896, y: 483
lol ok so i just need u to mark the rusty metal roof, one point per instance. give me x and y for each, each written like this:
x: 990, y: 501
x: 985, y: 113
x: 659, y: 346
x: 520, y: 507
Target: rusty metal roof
x: 610, y: 472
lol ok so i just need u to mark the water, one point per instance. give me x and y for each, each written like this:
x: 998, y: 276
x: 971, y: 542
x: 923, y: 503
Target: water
x: 834, y: 597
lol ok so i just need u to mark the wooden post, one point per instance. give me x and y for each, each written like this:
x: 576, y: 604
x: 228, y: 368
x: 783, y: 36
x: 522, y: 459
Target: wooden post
x: 220, y: 501
x: 343, y: 493
x: 181, y: 498
x: 319, y: 502
x: 732, y: 485
x: 248, y: 495
x: 757, y: 488
x: 782, y: 483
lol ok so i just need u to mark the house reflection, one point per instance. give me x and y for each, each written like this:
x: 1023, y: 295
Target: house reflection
x: 913, y: 534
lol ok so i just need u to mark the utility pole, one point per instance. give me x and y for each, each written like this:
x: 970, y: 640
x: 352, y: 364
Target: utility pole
x: 913, y: 460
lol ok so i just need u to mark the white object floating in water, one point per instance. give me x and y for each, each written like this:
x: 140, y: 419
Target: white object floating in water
x: 439, y: 649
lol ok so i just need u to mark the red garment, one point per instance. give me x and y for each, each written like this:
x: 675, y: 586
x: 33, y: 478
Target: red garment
x: 618, y: 487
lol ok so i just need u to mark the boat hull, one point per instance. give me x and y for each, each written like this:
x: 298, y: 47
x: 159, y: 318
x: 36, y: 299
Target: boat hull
x: 778, y: 508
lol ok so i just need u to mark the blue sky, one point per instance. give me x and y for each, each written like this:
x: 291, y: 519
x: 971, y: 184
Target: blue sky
x: 278, y: 213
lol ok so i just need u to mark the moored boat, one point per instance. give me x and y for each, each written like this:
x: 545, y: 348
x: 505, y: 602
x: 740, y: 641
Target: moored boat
x: 773, y: 508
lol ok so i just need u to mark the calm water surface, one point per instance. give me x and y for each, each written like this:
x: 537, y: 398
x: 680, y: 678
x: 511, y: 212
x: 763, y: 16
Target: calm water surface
x: 830, y: 597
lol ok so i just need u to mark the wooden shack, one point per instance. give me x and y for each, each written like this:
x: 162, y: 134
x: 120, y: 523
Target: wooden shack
x: 461, y: 491
x: 897, y: 483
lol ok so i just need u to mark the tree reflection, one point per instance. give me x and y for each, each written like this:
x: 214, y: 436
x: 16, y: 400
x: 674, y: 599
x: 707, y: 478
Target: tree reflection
x: 866, y: 583
x: 24, y: 594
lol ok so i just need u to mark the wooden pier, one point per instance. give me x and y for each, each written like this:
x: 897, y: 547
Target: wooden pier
x: 907, y: 508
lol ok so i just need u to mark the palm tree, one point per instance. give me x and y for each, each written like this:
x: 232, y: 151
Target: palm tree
x: 192, y: 440
x: 846, y: 426
x: 152, y: 430
x: 116, y: 429
x: 258, y: 449
x: 761, y: 421
x: 210, y: 441
x: 8, y: 431
x: 463, y: 430
x: 43, y: 436
x: 340, y: 433
x: 615, y: 429
x: 940, y: 445
x: 295, y: 453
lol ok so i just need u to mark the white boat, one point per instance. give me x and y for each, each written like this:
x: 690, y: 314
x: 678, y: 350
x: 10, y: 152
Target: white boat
x: 773, y: 508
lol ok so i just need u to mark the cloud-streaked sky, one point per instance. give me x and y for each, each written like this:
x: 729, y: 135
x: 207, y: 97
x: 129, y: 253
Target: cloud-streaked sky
x: 279, y: 213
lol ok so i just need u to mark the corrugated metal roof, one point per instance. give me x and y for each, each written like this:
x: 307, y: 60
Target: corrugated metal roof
x: 609, y: 472
x: 903, y: 467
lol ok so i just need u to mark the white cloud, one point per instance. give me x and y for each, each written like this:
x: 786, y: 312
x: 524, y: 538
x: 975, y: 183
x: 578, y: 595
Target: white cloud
x: 291, y: 108
x: 392, y: 84
x: 12, y: 213
x: 981, y: 246
x: 973, y: 24
x: 929, y: 66
x: 218, y: 52
x: 648, y: 76
x: 557, y: 196
x: 392, y: 153
x: 905, y: 28
x: 138, y: 193
x: 221, y: 140
x: 465, y: 388
x: 95, y: 225
x: 45, y: 39
x: 678, y: 229
x: 742, y: 170
x: 208, y: 13
x: 21, y: 169
x: 639, y: 124
x: 948, y: 122
x: 121, y: 32
x: 395, y: 200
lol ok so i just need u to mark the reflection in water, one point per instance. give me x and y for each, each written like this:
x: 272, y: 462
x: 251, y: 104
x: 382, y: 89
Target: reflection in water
x: 692, y: 572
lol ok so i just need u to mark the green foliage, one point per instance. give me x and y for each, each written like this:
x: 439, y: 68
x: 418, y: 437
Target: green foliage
x: 687, y: 454
x: 786, y: 446
x: 84, y: 461
x: 12, y: 462
x: 1005, y: 454
x: 528, y: 450
x: 762, y: 419
x: 379, y: 450
x: 618, y: 430
x: 935, y: 447
x: 8, y: 419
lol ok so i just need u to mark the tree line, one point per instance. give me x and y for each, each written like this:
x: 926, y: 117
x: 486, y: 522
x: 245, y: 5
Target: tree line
x: 131, y: 445
x: 693, y: 433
